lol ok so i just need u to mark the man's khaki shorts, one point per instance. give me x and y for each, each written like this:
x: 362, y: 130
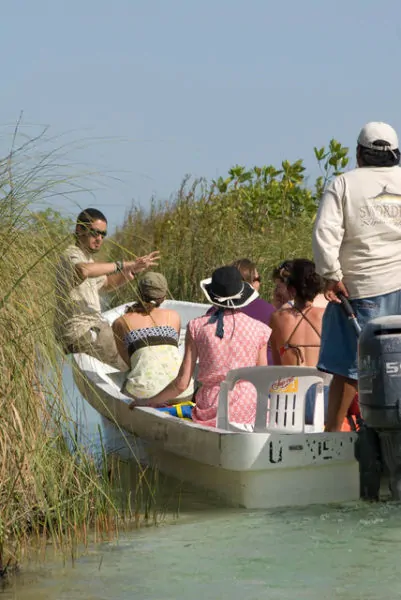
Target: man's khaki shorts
x: 99, y: 342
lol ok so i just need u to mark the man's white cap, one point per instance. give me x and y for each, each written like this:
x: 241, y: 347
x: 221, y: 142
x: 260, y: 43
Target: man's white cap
x: 378, y: 131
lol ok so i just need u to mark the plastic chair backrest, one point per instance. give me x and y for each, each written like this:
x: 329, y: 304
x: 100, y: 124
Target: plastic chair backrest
x: 286, y: 410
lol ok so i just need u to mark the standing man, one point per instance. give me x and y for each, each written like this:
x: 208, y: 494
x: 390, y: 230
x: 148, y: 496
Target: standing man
x: 79, y: 325
x: 357, y: 250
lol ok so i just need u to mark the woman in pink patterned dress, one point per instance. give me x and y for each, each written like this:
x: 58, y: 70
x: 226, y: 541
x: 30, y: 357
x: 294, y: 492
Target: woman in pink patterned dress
x: 223, y: 340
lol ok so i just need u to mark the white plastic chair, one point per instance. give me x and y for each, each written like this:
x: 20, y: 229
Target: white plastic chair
x: 286, y: 409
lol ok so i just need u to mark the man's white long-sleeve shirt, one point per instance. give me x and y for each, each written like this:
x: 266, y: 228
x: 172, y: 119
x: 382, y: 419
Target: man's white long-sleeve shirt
x: 357, y: 232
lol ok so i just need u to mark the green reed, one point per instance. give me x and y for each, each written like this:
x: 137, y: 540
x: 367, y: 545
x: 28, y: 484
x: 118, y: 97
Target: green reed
x: 196, y: 235
x: 51, y: 488
x: 264, y: 213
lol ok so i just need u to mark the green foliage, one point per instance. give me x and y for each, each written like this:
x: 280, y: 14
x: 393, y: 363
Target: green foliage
x: 332, y: 162
x: 263, y: 213
x: 265, y: 193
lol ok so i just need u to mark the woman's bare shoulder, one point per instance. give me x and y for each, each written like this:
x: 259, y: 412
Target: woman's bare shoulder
x: 279, y: 316
x: 285, y: 312
x: 168, y: 316
x: 119, y: 324
x: 317, y: 312
x: 118, y: 321
x: 168, y: 311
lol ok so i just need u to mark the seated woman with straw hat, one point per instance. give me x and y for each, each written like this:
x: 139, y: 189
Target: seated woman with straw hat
x: 147, y: 339
x: 222, y: 340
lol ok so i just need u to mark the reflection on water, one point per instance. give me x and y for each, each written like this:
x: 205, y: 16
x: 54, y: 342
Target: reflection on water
x: 94, y: 431
x: 347, y: 552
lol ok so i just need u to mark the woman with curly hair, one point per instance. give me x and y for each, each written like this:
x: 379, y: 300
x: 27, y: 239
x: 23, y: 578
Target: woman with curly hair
x: 297, y: 326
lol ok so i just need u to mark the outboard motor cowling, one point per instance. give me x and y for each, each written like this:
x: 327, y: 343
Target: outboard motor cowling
x: 379, y: 383
x: 379, y: 373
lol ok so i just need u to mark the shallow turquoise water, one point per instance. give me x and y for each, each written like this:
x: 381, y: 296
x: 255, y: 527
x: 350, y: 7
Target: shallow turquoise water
x: 349, y: 552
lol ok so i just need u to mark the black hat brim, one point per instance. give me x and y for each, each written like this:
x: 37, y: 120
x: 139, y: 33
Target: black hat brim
x: 249, y: 294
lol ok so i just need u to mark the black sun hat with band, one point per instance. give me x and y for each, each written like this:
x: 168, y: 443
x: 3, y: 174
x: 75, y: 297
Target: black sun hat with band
x: 226, y: 289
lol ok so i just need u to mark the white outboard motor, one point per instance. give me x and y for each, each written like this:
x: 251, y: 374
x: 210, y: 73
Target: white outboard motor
x: 379, y: 373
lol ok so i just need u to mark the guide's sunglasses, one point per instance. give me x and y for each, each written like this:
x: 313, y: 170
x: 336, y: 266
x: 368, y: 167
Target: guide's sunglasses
x: 96, y: 232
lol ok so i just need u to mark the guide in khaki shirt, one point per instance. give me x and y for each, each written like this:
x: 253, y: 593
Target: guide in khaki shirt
x: 78, y: 305
x: 79, y: 325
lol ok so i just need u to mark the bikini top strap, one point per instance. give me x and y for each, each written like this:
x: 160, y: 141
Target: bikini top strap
x: 309, y: 321
x: 296, y: 326
x: 296, y: 348
x: 303, y: 316
x: 124, y: 320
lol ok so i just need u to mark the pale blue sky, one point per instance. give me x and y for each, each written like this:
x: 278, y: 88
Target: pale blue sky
x: 169, y: 87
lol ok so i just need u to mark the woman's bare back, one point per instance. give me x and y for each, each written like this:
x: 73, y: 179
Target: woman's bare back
x: 157, y: 317
x: 133, y: 320
x: 295, y: 335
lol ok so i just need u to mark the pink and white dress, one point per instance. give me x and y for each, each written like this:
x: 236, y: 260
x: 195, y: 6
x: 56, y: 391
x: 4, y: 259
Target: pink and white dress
x: 240, y: 346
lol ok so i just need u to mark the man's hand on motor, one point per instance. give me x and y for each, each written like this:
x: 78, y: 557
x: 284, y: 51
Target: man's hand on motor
x: 332, y: 288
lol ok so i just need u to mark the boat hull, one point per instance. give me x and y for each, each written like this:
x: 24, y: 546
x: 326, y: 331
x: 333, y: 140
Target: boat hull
x: 265, y: 489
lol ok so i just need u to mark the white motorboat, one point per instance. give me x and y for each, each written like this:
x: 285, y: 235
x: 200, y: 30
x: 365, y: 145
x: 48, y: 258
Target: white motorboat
x: 284, y: 463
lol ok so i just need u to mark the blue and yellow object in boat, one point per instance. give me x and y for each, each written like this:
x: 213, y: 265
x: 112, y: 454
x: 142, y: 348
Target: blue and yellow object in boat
x: 183, y: 410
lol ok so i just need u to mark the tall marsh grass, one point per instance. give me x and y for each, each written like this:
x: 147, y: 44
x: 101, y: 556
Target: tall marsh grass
x: 50, y: 487
x: 196, y: 234
x: 264, y: 213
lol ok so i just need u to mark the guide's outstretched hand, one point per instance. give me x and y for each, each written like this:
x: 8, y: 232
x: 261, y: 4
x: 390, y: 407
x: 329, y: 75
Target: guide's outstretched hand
x: 132, y: 267
x: 145, y: 262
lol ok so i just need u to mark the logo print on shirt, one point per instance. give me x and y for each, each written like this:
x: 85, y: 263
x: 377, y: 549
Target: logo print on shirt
x: 386, y: 208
